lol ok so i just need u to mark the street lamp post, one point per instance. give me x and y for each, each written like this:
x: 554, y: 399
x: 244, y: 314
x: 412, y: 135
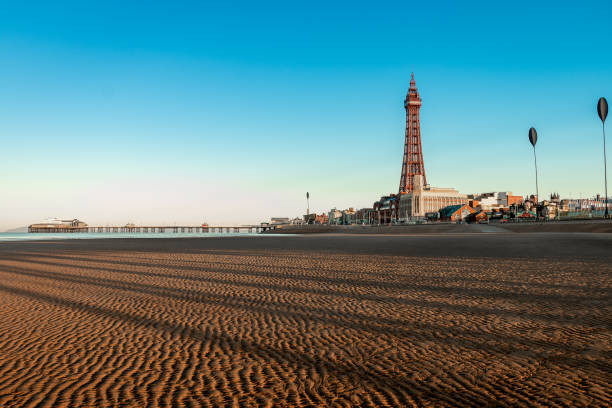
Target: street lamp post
x: 602, y: 111
x: 533, y: 138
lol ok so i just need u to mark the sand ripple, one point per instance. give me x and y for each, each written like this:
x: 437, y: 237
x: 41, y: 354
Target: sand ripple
x: 248, y: 328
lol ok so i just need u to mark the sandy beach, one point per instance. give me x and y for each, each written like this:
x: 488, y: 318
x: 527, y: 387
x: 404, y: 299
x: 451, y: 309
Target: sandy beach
x: 498, y: 319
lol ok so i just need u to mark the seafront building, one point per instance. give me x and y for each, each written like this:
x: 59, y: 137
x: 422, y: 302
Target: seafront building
x: 424, y: 200
x: 313, y: 218
x: 386, y: 209
x: 597, y: 203
x: 456, y: 213
x: 52, y: 225
x: 501, y: 200
x: 364, y: 216
x: 341, y: 217
x: 279, y: 220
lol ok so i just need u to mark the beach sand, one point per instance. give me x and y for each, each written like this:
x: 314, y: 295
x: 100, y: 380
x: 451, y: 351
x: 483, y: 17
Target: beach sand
x: 334, y: 320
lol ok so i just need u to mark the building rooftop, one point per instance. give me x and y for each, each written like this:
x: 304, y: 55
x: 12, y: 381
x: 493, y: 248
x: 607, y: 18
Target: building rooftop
x: 449, y: 210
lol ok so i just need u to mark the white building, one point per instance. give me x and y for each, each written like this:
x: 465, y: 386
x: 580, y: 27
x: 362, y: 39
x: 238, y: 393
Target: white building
x: 490, y: 201
x: 334, y: 216
x: 426, y: 199
x: 495, y: 200
x: 279, y: 220
x: 341, y: 217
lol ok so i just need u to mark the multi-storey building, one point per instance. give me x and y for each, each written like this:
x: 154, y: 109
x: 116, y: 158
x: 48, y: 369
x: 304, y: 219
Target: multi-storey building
x: 495, y: 201
x: 424, y: 199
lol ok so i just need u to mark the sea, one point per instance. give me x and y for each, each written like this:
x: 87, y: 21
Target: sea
x: 26, y: 236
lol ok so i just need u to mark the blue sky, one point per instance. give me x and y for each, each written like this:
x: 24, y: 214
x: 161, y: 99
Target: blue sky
x: 192, y: 112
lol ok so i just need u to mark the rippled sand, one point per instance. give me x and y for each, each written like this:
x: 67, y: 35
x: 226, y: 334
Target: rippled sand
x: 303, y: 322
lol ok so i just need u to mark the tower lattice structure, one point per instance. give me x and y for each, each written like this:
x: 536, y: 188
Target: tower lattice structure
x: 413, y: 152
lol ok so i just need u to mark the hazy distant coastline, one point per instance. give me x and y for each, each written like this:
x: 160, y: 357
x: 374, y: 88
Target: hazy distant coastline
x: 20, y: 229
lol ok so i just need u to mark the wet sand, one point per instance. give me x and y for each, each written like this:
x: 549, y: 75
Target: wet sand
x: 328, y: 320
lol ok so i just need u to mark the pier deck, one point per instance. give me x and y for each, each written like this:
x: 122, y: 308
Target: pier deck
x: 151, y: 229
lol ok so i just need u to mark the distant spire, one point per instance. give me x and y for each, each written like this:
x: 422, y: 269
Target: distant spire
x: 412, y: 83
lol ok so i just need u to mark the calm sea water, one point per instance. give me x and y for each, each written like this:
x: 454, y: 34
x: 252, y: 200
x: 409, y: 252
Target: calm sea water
x: 24, y: 236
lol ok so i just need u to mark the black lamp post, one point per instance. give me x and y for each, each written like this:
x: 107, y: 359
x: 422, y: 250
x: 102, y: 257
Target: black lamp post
x: 602, y: 111
x: 533, y: 138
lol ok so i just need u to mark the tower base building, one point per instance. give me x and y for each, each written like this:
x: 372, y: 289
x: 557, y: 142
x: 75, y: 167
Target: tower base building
x: 424, y: 200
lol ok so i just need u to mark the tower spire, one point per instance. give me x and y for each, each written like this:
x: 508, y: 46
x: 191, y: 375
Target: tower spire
x: 413, y: 154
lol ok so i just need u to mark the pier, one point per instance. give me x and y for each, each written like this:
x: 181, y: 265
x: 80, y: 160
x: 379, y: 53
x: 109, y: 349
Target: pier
x: 149, y: 229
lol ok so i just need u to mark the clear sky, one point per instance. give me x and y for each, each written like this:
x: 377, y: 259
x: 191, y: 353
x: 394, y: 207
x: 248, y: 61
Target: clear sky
x: 180, y: 112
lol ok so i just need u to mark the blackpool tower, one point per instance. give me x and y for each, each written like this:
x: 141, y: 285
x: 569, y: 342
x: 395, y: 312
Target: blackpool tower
x: 413, y: 153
